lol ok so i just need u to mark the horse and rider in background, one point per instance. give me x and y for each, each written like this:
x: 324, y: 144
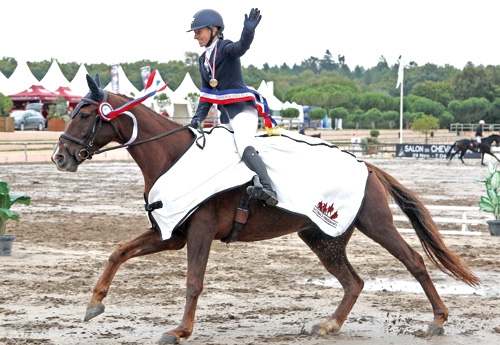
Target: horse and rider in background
x: 460, y: 147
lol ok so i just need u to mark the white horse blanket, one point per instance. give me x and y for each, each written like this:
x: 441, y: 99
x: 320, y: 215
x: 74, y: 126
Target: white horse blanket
x: 312, y: 177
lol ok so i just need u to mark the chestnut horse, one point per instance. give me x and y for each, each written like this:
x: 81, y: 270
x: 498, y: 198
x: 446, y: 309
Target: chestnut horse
x: 159, y: 142
x: 461, y: 146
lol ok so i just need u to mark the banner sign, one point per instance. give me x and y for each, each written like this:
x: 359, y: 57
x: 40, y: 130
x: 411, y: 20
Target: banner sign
x: 115, y: 83
x: 145, y: 73
x: 428, y: 151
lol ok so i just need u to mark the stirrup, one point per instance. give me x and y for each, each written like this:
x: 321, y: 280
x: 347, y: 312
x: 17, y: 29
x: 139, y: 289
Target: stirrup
x: 260, y: 193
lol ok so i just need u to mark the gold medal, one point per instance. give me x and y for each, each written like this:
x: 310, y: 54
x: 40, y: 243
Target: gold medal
x: 213, y: 82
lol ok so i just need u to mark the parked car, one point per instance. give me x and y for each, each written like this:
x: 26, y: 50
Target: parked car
x: 35, y: 106
x: 28, y: 119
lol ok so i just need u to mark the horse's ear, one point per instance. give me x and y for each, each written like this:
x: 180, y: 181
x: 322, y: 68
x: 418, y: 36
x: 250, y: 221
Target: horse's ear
x: 95, y: 91
x: 97, y: 80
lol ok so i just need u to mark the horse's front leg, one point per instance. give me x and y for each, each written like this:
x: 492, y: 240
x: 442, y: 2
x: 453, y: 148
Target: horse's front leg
x: 199, y: 241
x: 147, y: 243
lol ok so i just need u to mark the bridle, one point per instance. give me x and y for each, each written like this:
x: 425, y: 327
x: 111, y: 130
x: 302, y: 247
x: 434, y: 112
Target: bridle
x: 87, y: 142
x: 90, y: 137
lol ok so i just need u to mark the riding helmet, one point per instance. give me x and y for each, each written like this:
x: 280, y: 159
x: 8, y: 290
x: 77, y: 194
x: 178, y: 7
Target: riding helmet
x: 481, y: 122
x: 207, y: 18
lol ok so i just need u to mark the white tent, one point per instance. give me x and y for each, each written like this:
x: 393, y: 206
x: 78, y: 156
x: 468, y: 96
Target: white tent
x: 54, y: 78
x: 187, y: 86
x: 79, y: 82
x: 182, y: 108
x: 21, y: 79
x: 125, y: 87
x: 266, y: 89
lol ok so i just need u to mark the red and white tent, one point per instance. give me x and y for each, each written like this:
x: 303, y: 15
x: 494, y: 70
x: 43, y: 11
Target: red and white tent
x: 66, y: 93
x: 35, y: 93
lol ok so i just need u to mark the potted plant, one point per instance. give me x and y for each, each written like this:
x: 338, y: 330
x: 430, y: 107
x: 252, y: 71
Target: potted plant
x: 6, y: 122
x: 58, y: 115
x: 491, y: 201
x: 6, y: 201
x: 370, y: 145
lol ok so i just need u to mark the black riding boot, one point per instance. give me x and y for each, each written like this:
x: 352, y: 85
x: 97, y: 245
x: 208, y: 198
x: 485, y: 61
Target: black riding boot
x: 262, y: 188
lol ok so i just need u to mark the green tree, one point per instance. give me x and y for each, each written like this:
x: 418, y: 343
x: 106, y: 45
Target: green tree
x: 409, y: 117
x: 391, y: 116
x: 338, y: 113
x: 446, y: 119
x: 373, y: 115
x: 425, y: 105
x: 424, y: 124
x: 316, y: 114
x: 473, y: 82
x: 290, y: 113
x: 440, y: 91
x: 356, y: 117
x: 469, y: 111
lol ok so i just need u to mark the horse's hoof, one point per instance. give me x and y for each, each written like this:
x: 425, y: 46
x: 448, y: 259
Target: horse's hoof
x: 93, y: 312
x: 168, y: 339
x: 434, y: 330
x: 319, y: 330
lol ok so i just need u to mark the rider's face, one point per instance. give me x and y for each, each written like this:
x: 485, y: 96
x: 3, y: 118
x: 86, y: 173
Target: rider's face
x: 202, y: 36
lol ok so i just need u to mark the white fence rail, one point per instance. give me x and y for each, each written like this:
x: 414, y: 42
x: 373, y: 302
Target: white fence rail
x: 464, y: 216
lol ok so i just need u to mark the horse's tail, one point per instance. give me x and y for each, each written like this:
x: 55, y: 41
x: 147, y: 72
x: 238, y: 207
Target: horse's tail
x: 451, y: 149
x: 425, y: 228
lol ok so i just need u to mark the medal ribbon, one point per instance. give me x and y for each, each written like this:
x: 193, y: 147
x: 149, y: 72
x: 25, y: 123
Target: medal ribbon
x: 107, y: 112
x: 210, y: 67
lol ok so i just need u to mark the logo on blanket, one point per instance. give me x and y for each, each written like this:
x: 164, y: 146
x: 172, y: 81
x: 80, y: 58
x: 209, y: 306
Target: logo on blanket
x: 326, y: 213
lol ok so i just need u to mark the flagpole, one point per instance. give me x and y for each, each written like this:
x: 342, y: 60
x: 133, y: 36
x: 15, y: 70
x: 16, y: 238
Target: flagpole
x: 401, y: 72
x: 401, y: 116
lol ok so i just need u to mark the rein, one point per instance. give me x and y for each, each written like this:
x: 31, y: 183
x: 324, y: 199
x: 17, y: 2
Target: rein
x: 85, y: 153
x: 142, y: 141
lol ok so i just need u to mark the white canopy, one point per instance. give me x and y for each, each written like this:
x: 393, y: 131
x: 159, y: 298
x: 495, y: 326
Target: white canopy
x: 79, y: 82
x: 54, y: 78
x: 21, y: 79
x: 187, y: 86
x: 266, y: 89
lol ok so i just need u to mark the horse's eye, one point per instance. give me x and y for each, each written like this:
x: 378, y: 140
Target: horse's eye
x: 84, y: 116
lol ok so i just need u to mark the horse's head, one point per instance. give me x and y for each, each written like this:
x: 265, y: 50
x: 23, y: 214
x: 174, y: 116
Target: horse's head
x: 87, y: 131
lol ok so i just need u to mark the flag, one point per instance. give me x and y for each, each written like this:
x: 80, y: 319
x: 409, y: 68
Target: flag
x: 115, y: 83
x: 401, y: 72
x: 145, y: 72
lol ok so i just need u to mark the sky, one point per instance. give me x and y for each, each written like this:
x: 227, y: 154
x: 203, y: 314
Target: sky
x: 112, y: 32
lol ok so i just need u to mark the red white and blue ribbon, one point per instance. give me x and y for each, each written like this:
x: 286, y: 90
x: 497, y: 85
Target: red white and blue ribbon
x: 239, y: 95
x: 107, y: 112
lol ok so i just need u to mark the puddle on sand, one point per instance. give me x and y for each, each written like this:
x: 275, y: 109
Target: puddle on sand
x: 445, y: 285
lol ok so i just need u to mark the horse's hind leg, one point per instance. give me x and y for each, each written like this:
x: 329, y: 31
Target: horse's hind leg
x: 331, y: 253
x: 146, y: 243
x: 375, y: 221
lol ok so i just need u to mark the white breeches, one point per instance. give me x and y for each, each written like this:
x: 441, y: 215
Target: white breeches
x: 478, y: 139
x: 244, y: 125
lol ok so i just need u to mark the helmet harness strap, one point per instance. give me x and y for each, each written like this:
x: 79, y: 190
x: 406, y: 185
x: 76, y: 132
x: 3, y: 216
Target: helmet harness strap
x: 212, y: 35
